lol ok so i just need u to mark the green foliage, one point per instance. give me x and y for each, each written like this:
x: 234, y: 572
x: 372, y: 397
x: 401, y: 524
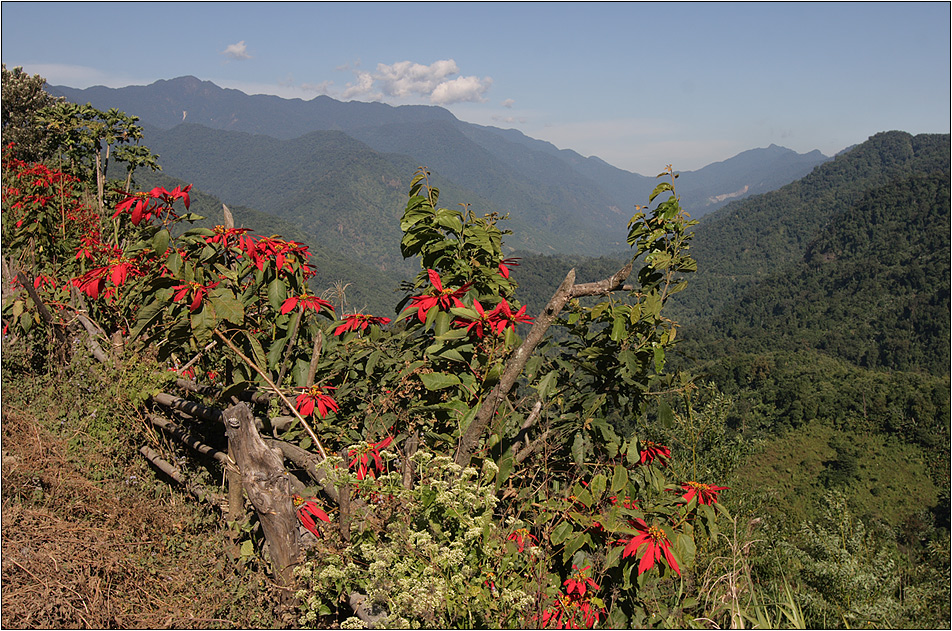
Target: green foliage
x: 755, y: 238
x: 24, y: 97
x: 872, y: 288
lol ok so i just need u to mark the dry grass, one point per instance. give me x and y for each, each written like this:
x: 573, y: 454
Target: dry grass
x: 85, y: 553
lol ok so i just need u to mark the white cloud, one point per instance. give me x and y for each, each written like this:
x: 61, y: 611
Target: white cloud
x: 460, y: 89
x: 237, y: 51
x: 363, y: 87
x: 406, y: 80
x: 508, y: 103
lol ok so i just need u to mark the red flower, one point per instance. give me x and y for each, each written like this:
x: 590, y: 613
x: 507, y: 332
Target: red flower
x: 504, y: 317
x: 93, y: 282
x: 43, y: 279
x: 504, y: 270
x: 445, y: 298
x: 142, y: 206
x: 520, y: 536
x: 307, y: 302
x: 198, y: 291
x: 480, y: 324
x: 314, y: 396
x: 169, y: 197
x: 576, y: 605
x: 656, y: 545
x: 224, y: 236
x: 308, y: 512
x: 359, y: 322
x: 363, y: 456
x: 579, y: 582
x: 266, y: 248
x: 706, y: 493
x: 654, y: 450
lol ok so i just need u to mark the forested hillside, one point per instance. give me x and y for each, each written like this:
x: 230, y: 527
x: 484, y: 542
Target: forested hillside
x: 872, y: 287
x: 750, y: 240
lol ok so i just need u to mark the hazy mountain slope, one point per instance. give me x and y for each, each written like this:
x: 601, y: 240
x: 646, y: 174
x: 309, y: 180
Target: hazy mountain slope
x: 536, y: 189
x: 749, y: 240
x: 167, y: 103
x: 873, y: 287
x: 574, y: 204
x: 703, y: 191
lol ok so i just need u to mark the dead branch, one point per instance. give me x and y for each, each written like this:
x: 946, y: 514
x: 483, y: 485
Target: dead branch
x: 566, y: 291
x: 315, y: 357
x: 200, y: 492
x: 268, y: 486
x: 179, y: 434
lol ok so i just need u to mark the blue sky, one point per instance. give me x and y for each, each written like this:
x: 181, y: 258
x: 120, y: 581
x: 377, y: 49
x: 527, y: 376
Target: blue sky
x: 640, y: 85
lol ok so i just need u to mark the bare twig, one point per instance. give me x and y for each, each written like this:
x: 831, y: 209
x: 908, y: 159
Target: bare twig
x: 179, y: 434
x: 566, y: 291
x: 298, y: 316
x: 197, y: 490
x: 277, y: 391
x: 315, y: 358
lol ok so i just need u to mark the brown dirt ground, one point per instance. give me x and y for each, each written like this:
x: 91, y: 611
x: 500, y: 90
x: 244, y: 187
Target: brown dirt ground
x: 82, y: 552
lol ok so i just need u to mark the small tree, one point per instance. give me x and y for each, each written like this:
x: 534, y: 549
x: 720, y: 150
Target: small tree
x: 24, y: 97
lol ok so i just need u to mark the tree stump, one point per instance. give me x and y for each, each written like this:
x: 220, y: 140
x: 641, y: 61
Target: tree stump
x: 268, y: 486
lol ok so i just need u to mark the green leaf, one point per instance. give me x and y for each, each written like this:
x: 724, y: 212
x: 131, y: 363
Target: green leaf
x: 438, y: 380
x: 560, y: 533
x: 274, y: 353
x: 574, y: 544
x: 546, y: 384
x: 619, y: 328
x: 505, y: 465
x: 203, y: 324
x: 597, y: 486
x: 665, y: 415
x: 257, y: 353
x: 226, y: 305
x: 619, y: 479
x: 160, y: 242
x: 660, y: 188
x: 277, y: 293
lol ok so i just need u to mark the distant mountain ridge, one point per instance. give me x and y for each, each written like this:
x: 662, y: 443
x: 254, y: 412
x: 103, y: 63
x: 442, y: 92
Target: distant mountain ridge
x: 556, y: 190
x: 750, y: 240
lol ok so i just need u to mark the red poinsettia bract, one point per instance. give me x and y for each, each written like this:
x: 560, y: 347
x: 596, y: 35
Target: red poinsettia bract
x: 505, y: 263
x: 359, y: 322
x: 438, y: 297
x: 705, y: 493
x: 310, y: 513
x: 368, y: 458
x: 118, y: 270
x: 652, y: 451
x: 143, y: 205
x: 655, y: 543
x: 306, y: 301
x: 495, y: 321
x: 314, y: 397
x: 521, y: 536
x: 578, y: 604
x: 197, y: 290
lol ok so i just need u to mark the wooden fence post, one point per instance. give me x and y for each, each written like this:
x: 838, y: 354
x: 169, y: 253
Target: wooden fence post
x: 268, y: 486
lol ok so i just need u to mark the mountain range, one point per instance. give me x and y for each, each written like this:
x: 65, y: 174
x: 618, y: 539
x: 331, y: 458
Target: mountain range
x: 346, y: 165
